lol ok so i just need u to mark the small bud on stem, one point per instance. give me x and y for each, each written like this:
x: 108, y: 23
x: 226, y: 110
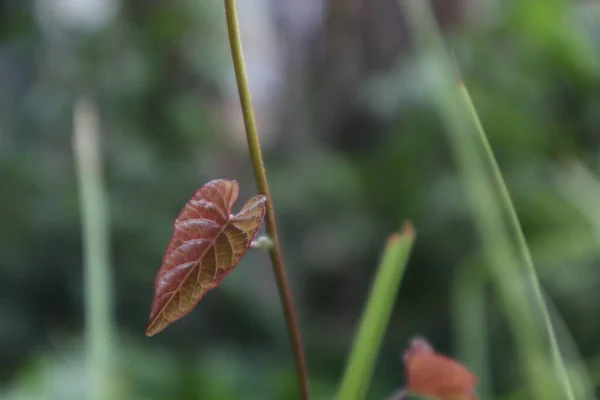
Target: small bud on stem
x: 263, y: 243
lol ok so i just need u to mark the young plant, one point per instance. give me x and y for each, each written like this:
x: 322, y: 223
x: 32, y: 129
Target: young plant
x: 194, y: 258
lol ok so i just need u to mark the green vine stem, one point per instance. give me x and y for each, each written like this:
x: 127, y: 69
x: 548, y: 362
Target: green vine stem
x: 263, y: 188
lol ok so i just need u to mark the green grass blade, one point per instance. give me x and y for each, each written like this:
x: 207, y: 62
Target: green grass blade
x: 95, y: 231
x: 384, y: 289
x: 486, y: 191
x: 469, y: 321
x: 522, y: 248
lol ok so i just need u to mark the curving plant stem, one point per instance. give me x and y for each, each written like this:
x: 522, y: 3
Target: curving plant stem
x: 263, y: 188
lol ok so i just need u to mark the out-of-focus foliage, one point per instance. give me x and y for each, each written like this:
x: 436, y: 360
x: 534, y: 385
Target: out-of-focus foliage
x: 353, y: 146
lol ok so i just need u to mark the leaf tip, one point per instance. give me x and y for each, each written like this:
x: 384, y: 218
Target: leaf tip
x: 151, y: 330
x: 392, y: 239
x: 418, y: 345
x: 431, y: 374
x: 408, y: 229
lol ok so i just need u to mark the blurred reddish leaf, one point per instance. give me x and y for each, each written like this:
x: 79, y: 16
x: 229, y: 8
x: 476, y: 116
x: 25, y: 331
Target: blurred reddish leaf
x: 206, y: 245
x: 437, y: 376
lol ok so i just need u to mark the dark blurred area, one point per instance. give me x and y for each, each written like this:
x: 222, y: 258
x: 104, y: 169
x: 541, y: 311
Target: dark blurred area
x: 352, y: 145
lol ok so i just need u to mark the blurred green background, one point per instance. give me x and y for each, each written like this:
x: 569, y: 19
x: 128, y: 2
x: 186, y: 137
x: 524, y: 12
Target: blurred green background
x: 353, y: 146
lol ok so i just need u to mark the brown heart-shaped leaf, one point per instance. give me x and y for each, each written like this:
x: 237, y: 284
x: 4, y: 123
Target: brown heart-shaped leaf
x: 437, y: 376
x: 206, y: 245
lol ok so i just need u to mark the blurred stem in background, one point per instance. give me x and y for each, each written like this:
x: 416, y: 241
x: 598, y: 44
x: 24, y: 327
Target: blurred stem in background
x: 582, y: 189
x: 95, y: 232
x: 263, y: 188
x: 361, y: 362
x: 491, y: 203
x: 468, y: 306
x: 470, y: 323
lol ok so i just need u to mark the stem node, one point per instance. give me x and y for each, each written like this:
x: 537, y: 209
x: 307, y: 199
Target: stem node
x: 262, y: 243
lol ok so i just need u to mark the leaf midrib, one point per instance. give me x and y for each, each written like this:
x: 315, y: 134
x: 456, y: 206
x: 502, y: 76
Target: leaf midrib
x: 176, y: 291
